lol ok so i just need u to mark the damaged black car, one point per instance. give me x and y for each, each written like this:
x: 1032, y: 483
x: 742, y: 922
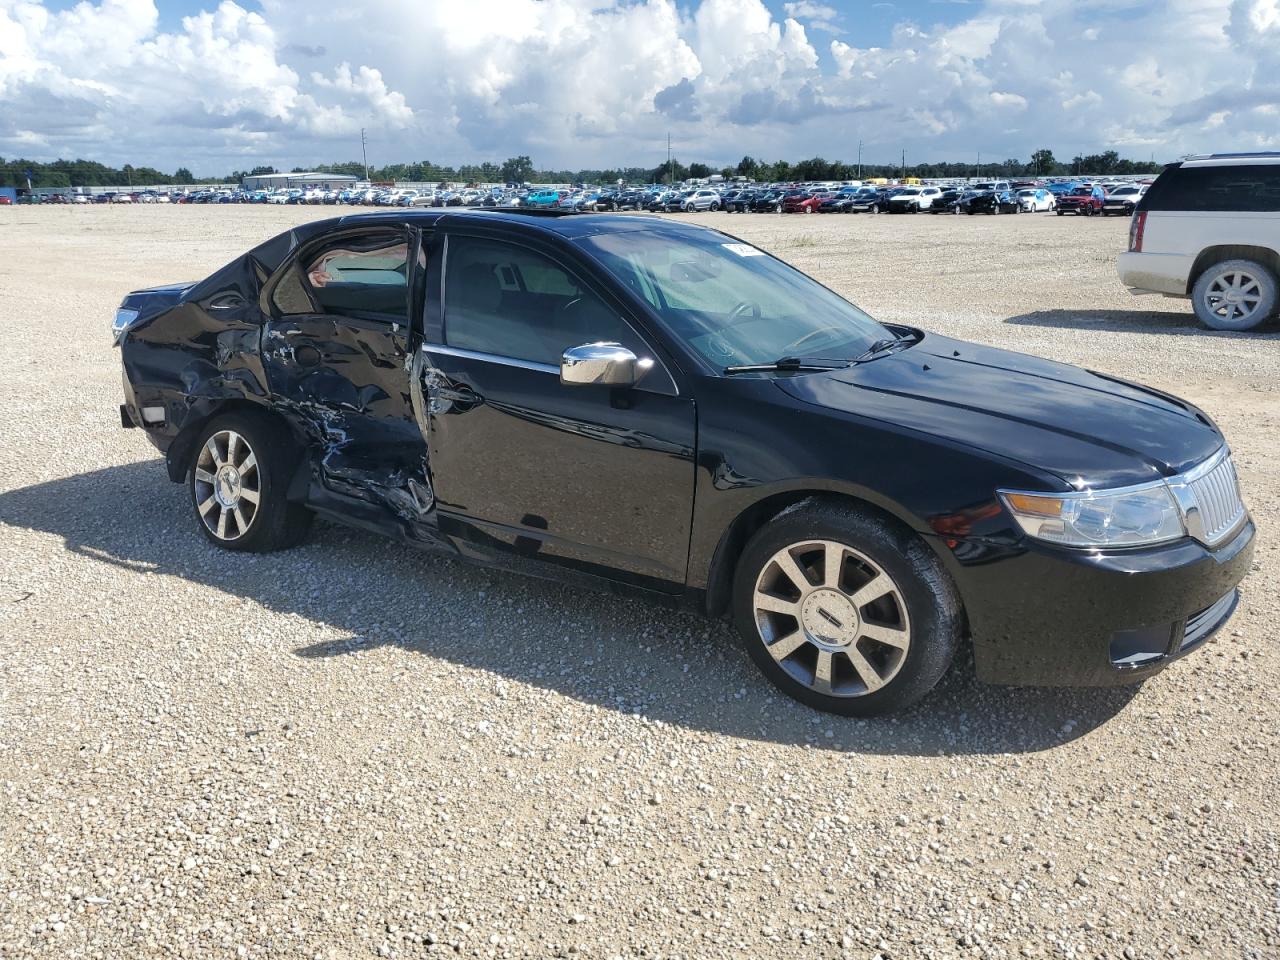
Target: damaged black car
x: 665, y: 410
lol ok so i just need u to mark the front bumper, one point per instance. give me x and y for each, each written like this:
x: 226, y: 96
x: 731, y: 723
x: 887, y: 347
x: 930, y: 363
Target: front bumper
x: 1041, y: 616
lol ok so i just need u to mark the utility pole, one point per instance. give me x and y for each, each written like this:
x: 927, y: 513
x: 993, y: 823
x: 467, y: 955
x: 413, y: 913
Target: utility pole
x: 671, y: 170
x: 364, y: 153
x: 859, y: 159
x: 904, y: 165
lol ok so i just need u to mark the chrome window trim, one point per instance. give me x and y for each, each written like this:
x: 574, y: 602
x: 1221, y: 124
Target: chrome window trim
x: 491, y: 358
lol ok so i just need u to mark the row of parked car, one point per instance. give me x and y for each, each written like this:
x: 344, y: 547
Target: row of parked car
x: 994, y: 197
x: 990, y: 197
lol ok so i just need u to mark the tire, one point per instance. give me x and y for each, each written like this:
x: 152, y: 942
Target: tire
x: 917, y: 618
x: 1062, y: 213
x: 223, y: 514
x: 714, y: 207
x: 1255, y: 284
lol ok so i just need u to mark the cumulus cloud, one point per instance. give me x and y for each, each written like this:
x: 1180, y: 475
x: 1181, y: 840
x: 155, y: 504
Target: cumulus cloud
x: 602, y: 82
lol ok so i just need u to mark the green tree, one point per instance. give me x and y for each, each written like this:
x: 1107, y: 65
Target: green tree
x: 517, y: 169
x: 1042, y: 162
x: 183, y: 175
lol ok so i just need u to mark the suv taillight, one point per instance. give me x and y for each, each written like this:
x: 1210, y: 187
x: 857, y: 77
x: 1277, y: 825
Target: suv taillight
x: 1136, y: 229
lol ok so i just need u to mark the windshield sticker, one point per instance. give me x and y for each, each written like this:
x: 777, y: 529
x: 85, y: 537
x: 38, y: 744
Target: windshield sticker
x: 743, y: 249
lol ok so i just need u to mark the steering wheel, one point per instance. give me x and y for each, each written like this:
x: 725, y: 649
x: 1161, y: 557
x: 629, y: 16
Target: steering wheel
x: 793, y: 348
x: 744, y: 307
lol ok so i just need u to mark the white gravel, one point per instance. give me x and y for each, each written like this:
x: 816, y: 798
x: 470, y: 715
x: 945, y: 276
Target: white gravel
x: 352, y: 750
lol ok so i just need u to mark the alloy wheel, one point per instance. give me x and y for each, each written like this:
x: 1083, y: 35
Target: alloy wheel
x: 1235, y: 295
x: 832, y: 618
x: 228, y: 485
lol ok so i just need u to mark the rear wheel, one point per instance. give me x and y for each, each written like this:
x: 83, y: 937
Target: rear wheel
x: 1235, y: 295
x: 239, y: 477
x: 844, y: 611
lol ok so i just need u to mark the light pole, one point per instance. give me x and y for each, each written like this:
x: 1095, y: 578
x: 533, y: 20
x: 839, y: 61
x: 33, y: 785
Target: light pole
x: 364, y: 153
x: 859, y: 159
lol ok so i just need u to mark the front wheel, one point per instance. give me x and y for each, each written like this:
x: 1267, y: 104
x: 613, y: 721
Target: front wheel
x: 239, y: 478
x: 1235, y: 295
x: 845, y: 611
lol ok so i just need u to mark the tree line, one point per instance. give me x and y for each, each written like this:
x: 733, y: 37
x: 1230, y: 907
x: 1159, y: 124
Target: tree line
x: 1042, y: 163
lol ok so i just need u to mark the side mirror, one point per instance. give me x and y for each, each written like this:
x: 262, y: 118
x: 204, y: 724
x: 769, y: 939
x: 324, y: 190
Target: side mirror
x: 606, y: 364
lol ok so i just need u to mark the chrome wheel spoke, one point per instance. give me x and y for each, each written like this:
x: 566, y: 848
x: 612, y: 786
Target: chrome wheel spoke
x: 208, y: 505
x: 891, y: 636
x: 241, y: 524
x: 250, y: 463
x: 877, y: 588
x: 233, y: 441
x: 786, y: 646
x: 772, y: 604
x: 214, y: 454
x: 822, y: 674
x: 204, y: 476
x: 222, y: 523
x: 249, y: 496
x: 832, y: 565
x: 866, y: 672
x: 791, y: 570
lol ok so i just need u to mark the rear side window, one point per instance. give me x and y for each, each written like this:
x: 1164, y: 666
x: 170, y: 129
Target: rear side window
x: 1229, y: 189
x: 362, y: 275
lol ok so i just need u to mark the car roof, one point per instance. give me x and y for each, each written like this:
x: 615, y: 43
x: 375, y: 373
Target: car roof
x: 561, y: 223
x: 1232, y: 159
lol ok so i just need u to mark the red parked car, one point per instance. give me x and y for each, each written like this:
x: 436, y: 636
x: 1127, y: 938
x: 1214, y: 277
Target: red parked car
x: 801, y: 202
x: 1082, y: 201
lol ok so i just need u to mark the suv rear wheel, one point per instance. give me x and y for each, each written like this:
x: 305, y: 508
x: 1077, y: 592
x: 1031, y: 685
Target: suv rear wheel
x: 1235, y: 295
x: 844, y: 611
x: 239, y: 476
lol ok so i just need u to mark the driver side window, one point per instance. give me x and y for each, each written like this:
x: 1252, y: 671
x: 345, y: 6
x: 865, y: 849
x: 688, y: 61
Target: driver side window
x: 509, y: 301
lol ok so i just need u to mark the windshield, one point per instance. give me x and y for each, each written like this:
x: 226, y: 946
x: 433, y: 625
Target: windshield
x: 732, y: 303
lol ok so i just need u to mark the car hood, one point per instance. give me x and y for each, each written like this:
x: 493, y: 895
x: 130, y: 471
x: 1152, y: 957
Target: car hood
x: 1083, y: 427
x: 154, y: 298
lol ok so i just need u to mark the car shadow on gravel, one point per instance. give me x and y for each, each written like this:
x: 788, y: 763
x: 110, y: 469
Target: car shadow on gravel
x: 364, y: 593
x: 1136, y: 321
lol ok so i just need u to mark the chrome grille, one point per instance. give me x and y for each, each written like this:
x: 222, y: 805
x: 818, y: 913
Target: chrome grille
x: 1217, y: 494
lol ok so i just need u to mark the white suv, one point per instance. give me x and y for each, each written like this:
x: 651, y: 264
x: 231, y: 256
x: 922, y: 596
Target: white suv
x: 1209, y: 229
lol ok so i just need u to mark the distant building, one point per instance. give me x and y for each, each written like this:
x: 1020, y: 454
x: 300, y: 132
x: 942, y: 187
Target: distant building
x: 288, y: 181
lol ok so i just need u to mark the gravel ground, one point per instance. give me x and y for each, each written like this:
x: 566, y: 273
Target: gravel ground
x: 353, y: 750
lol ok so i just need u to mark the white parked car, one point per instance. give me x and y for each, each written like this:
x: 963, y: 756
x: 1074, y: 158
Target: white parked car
x: 914, y: 199
x: 1123, y: 199
x: 1035, y: 199
x: 1209, y: 229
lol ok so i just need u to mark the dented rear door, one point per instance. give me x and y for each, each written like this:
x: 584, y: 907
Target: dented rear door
x: 335, y: 347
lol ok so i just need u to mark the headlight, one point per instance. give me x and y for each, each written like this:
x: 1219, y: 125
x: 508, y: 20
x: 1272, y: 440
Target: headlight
x: 1131, y: 516
x: 121, y: 324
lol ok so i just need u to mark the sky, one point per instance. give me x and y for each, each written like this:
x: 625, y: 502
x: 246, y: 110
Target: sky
x: 601, y: 83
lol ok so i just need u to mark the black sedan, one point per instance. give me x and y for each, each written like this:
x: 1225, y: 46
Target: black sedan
x: 993, y: 201
x: 665, y: 410
x: 768, y: 202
